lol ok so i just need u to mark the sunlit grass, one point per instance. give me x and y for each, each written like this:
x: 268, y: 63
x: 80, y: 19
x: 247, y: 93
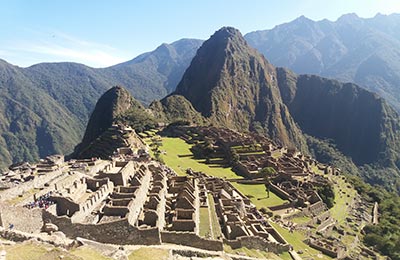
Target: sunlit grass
x: 296, y: 240
x: 216, y: 228
x: 204, y: 226
x: 177, y: 155
x: 149, y: 253
x: 258, y: 195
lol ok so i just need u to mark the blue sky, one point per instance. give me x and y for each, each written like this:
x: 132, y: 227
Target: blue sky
x: 101, y: 33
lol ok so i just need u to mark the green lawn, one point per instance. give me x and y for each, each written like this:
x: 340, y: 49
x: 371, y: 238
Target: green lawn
x: 37, y: 251
x: 205, y: 227
x: 296, y: 240
x: 216, y: 228
x: 258, y: 195
x: 340, y: 210
x: 178, y: 156
x: 149, y: 254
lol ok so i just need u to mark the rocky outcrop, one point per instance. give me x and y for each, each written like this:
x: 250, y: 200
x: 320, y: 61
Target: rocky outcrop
x: 115, y: 106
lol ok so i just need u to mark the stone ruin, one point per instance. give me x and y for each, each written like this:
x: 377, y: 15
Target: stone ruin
x: 293, y: 180
x: 136, y: 202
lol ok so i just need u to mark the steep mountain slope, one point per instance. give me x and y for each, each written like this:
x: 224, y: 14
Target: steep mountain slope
x: 53, y: 101
x: 352, y: 49
x: 32, y: 124
x: 176, y: 108
x: 362, y: 125
x: 234, y: 86
x: 114, y: 106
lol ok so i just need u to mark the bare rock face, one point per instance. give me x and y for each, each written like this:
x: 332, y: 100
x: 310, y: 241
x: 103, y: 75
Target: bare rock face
x: 49, y: 228
x: 234, y: 86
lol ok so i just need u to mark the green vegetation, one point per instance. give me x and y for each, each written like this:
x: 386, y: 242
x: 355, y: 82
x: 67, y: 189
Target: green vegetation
x: 139, y: 119
x: 205, y: 225
x: 266, y: 172
x: 177, y: 155
x: 327, y: 153
x: 296, y: 239
x: 385, y: 237
x: 147, y: 253
x: 176, y: 108
x: 344, y: 194
x: 45, y: 107
x: 25, y: 251
x: 38, y: 251
x: 258, y: 195
x: 327, y: 194
x: 215, y: 227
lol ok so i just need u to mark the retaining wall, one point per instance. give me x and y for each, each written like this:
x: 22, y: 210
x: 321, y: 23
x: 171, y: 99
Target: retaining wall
x: 191, y: 239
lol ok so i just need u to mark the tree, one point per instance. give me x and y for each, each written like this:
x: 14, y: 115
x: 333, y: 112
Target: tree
x: 267, y: 172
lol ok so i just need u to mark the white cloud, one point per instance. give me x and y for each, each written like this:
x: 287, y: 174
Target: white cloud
x: 58, y: 46
x: 87, y: 55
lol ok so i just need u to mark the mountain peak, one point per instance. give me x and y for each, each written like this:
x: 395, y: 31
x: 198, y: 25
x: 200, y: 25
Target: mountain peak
x: 112, y: 104
x: 225, y: 36
x: 228, y: 31
x: 351, y: 17
x: 233, y: 86
x: 303, y: 19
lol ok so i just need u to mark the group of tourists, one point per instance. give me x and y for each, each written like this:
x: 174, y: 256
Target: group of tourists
x: 41, y: 202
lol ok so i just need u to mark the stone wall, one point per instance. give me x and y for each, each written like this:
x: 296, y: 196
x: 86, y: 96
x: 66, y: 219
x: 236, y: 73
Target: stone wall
x: 117, y: 232
x: 278, y: 191
x: 191, y: 239
x: 317, y: 208
x: 23, y: 219
x: 256, y: 242
x: 283, y: 206
x: 136, y: 206
x: 122, y: 176
x: 37, y: 182
x: 324, y: 250
x: 93, y: 201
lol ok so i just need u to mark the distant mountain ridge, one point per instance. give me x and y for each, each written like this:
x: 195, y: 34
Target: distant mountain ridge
x: 351, y: 49
x: 44, y: 108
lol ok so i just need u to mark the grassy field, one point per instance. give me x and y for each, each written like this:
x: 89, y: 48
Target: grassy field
x: 258, y: 195
x: 149, y: 254
x: 296, y: 240
x: 36, y: 251
x: 177, y: 155
x: 343, y: 196
x: 205, y: 227
x: 216, y: 228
